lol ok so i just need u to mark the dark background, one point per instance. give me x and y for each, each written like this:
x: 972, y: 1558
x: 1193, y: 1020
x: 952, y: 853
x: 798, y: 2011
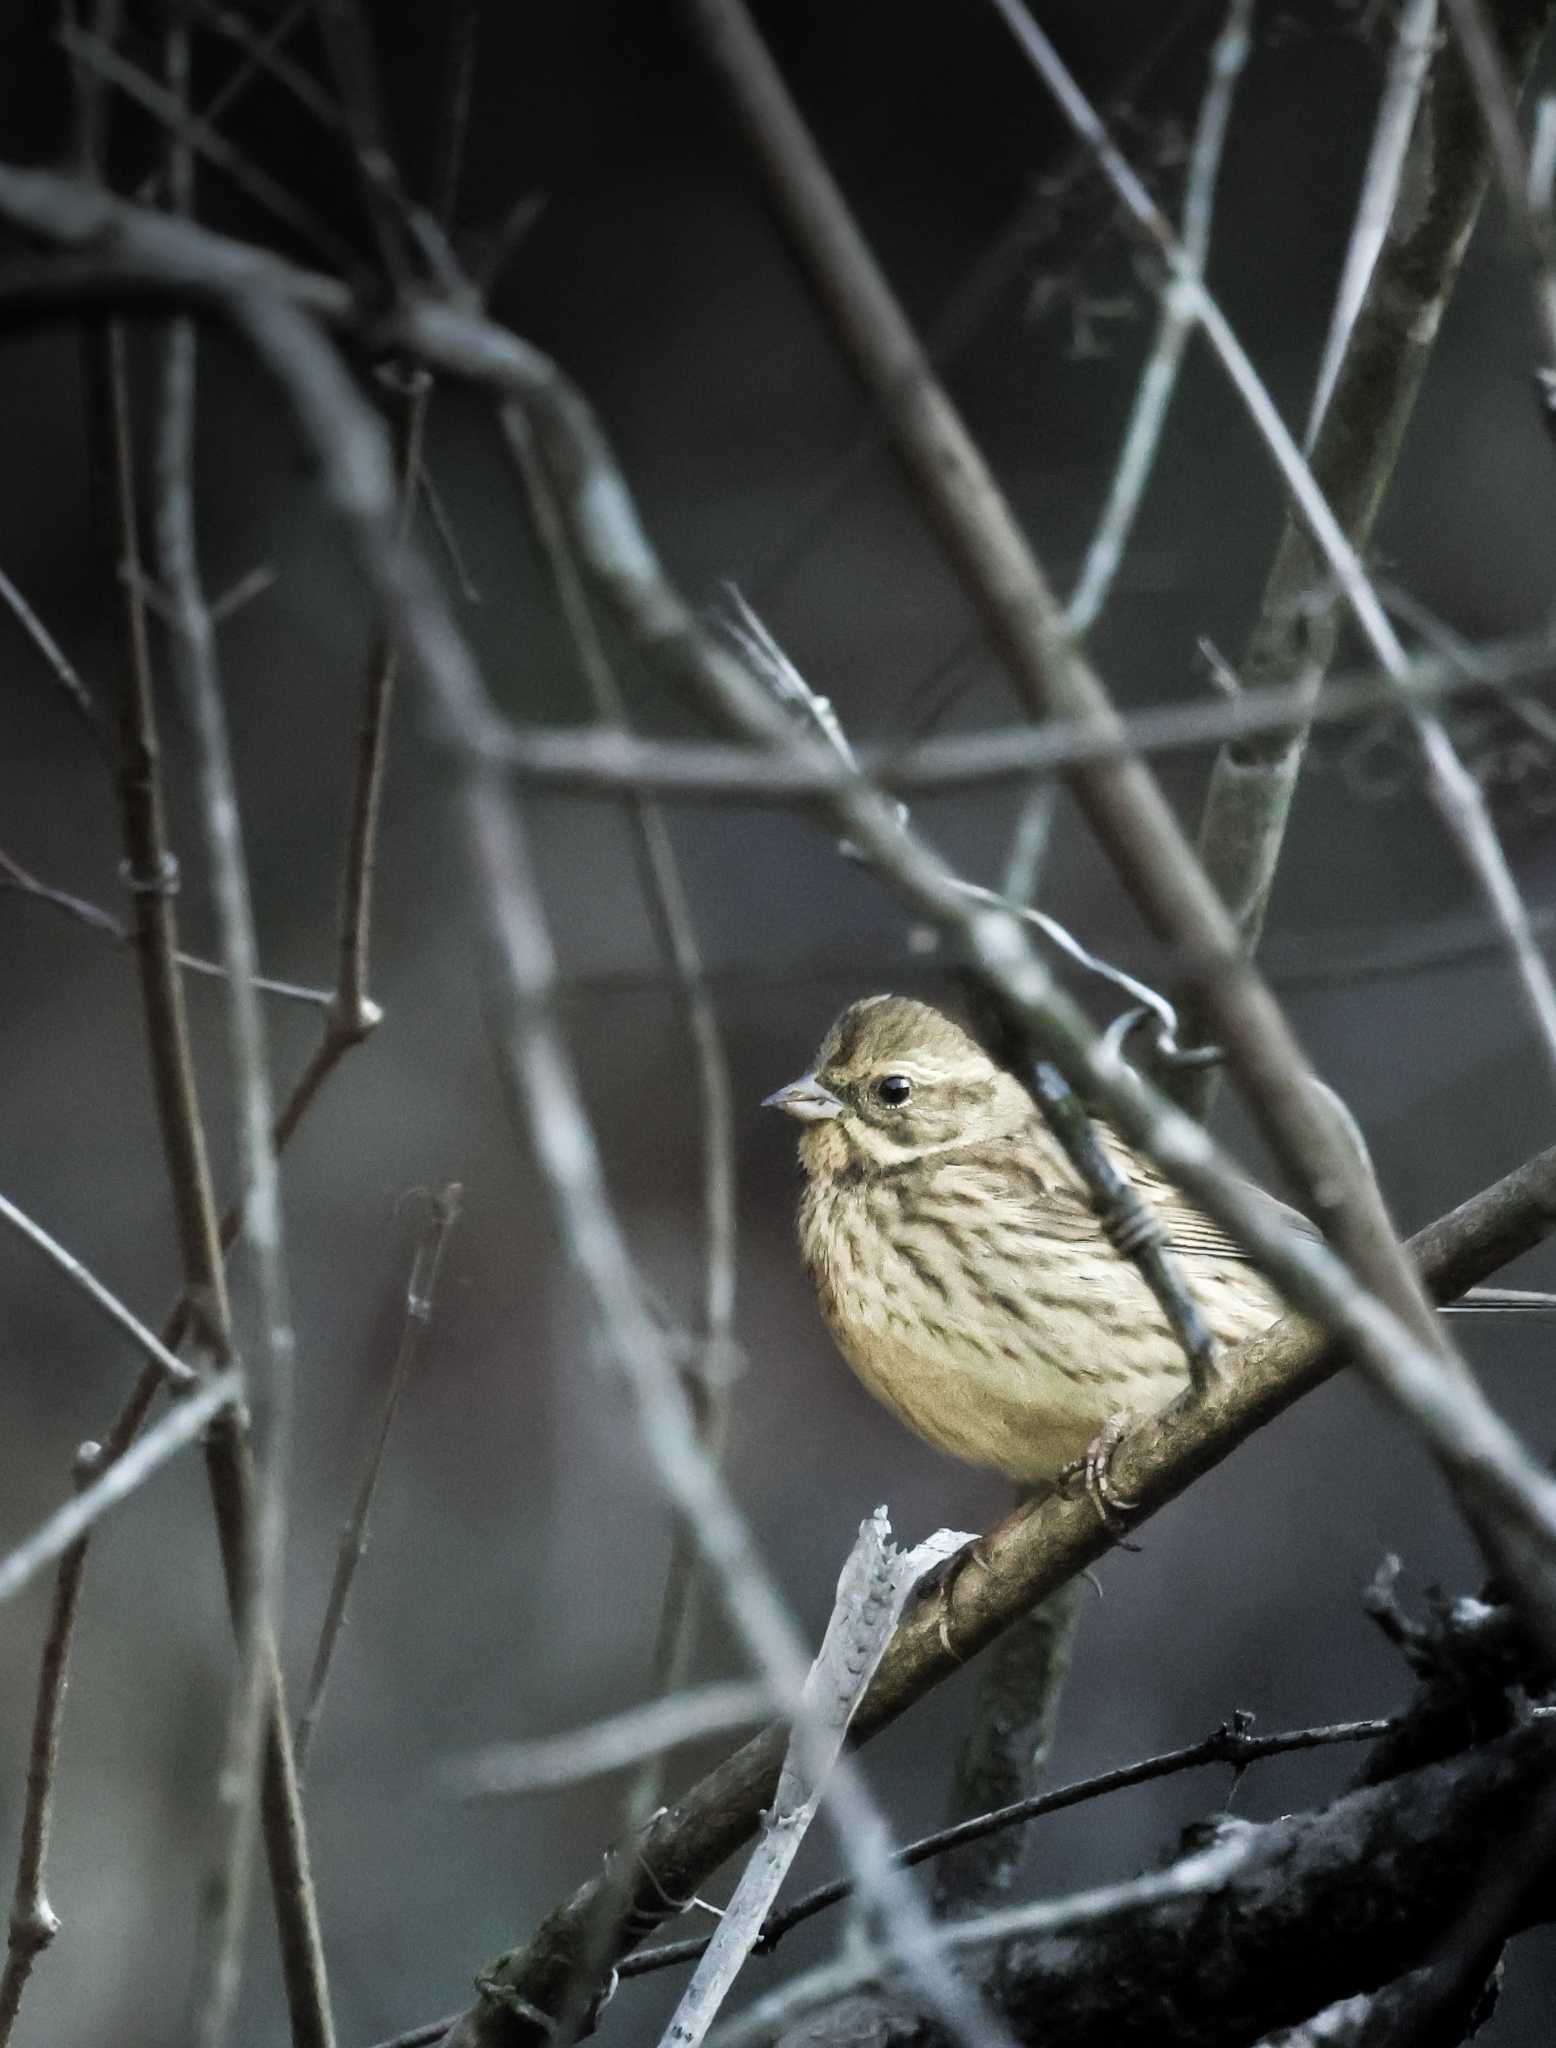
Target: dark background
x: 519, y: 1546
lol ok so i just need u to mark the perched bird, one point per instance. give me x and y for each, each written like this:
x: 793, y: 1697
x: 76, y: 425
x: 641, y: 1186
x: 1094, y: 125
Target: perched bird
x: 960, y: 1263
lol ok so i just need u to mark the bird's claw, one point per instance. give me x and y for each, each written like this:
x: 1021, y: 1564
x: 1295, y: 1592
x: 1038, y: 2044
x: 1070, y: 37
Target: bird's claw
x: 1094, y: 1470
x: 939, y: 1582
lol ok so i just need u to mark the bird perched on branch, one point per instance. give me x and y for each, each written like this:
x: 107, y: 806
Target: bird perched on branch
x: 961, y: 1265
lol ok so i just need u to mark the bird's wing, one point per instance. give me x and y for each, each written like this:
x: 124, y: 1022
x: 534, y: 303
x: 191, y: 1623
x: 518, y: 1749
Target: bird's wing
x: 1189, y: 1229
x: 1020, y: 1191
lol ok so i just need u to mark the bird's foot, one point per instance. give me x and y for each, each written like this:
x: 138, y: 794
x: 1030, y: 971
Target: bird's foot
x: 940, y: 1581
x: 1094, y: 1470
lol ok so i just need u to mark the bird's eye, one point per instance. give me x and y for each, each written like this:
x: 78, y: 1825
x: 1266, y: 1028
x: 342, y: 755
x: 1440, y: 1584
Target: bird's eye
x: 894, y: 1090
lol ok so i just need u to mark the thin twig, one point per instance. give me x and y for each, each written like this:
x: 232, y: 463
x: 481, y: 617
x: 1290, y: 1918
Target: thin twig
x: 1175, y: 323
x: 551, y: 1763
x: 207, y: 142
x: 709, y: 771
x: 346, y: 38
x: 267, y: 57
x: 15, y: 877
x: 168, y: 1368
x: 183, y: 1422
x: 234, y: 86
x: 420, y: 1302
x: 1064, y: 1961
x: 1205, y: 1870
x: 1232, y: 1744
x: 63, y: 670
x: 33, y: 1922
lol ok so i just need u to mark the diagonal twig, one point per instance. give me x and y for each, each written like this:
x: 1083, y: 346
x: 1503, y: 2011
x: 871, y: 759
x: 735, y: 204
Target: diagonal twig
x: 116, y: 1482
x: 1175, y: 323
x: 60, y: 666
x: 167, y: 1367
x: 548, y: 1763
x: 420, y: 1302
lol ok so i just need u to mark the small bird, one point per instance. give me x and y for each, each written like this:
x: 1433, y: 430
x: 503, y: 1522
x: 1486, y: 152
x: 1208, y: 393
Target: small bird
x: 962, y: 1268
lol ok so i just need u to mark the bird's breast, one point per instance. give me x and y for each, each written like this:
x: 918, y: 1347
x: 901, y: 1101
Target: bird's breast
x: 997, y: 1346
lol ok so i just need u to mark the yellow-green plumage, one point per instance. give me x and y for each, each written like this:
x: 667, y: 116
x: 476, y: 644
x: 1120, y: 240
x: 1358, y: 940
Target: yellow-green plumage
x: 959, y: 1263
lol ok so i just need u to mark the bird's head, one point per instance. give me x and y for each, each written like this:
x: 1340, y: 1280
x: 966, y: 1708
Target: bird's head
x: 894, y: 1080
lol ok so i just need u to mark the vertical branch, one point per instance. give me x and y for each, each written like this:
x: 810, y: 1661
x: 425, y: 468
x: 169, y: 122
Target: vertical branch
x: 151, y: 874
x: 33, y: 1923
x: 1006, y: 1750
x: 192, y: 641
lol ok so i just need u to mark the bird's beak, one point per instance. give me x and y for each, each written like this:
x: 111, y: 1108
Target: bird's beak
x: 806, y: 1101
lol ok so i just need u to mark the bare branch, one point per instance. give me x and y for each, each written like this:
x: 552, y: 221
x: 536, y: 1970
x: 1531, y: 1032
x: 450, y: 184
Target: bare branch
x: 14, y: 876
x: 550, y: 1763
x: 664, y: 891
x: 197, y: 132
x: 116, y: 1482
x: 34, y: 1923
x: 706, y: 771
x: 1175, y: 323
x: 420, y: 1303
x: 1496, y: 89
x: 107, y: 1304
x: 233, y: 87
x: 75, y: 692
x: 1414, y: 41
x: 150, y: 869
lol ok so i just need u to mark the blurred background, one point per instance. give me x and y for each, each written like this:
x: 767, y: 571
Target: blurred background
x: 519, y: 1546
